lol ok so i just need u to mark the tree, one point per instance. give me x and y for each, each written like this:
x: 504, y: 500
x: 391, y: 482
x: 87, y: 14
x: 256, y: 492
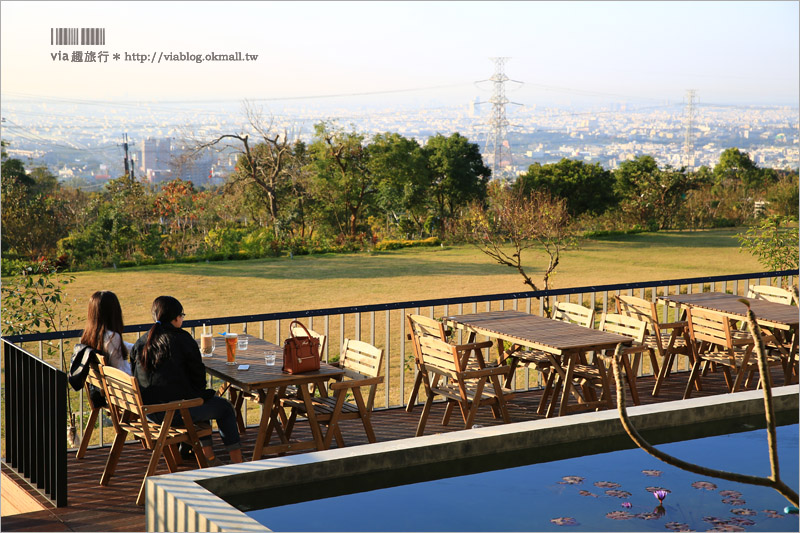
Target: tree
x: 399, y: 166
x: 457, y: 174
x: 773, y: 243
x: 650, y: 196
x: 31, y: 206
x: 737, y: 167
x: 343, y: 177
x: 523, y: 222
x: 586, y: 188
x: 269, y: 165
x: 174, y: 203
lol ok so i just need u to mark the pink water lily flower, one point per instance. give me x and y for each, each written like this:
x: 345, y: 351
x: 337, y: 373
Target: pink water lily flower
x: 660, y: 494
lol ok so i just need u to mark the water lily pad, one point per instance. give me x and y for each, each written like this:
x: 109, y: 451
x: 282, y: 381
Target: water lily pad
x: 618, y: 493
x: 727, y: 527
x: 707, y: 485
x: 571, y: 480
x: 587, y: 493
x: 619, y: 515
x: 730, y: 494
x: 607, y: 484
x: 652, y: 473
x: 677, y: 526
x: 772, y: 513
x: 648, y: 516
x: 733, y: 501
x: 715, y: 520
x: 655, y: 489
x: 743, y: 512
x: 744, y: 522
x: 564, y: 521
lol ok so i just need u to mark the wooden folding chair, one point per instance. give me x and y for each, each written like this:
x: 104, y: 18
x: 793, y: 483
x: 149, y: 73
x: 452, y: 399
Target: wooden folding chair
x: 669, y: 339
x: 362, y: 364
x: 129, y: 416
x: 636, y: 329
x: 446, y: 372
x: 771, y: 294
x: 716, y: 341
x: 426, y: 327
x: 93, y: 379
x: 566, y: 312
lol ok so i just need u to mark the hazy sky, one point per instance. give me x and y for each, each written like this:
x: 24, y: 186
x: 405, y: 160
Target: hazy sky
x: 730, y: 52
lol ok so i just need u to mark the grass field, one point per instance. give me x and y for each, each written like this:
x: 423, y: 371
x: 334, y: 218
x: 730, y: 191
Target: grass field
x: 227, y: 288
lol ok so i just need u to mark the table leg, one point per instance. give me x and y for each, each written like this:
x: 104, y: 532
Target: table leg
x: 567, y: 385
x: 264, y: 426
x: 312, y: 417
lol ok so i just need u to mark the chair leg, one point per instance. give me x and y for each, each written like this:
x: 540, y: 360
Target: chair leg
x: 412, y: 400
x: 694, y: 375
x: 87, y: 433
x: 511, y: 372
x: 448, y: 411
x: 170, y: 453
x: 423, y: 419
x: 113, y: 457
x: 475, y: 404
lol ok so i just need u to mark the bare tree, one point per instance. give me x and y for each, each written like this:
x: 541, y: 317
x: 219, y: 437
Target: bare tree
x: 268, y: 164
x: 514, y: 223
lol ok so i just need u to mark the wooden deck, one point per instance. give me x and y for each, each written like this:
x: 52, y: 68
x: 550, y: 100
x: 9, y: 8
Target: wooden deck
x: 95, y: 508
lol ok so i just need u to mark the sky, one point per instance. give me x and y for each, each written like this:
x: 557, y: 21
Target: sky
x: 729, y: 52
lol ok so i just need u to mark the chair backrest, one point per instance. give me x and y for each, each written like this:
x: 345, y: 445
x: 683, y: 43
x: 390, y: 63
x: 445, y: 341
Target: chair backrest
x: 638, y: 308
x: 424, y: 326
x: 94, y: 378
x: 439, y: 356
x: 123, y: 395
x: 624, y: 325
x: 300, y: 332
x: 772, y: 294
x: 360, y: 359
x: 711, y: 327
x: 574, y: 313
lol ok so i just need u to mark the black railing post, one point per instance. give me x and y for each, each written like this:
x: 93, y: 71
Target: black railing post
x: 36, y: 422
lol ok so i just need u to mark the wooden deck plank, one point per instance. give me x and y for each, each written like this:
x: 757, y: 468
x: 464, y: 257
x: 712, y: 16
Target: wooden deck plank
x: 95, y: 508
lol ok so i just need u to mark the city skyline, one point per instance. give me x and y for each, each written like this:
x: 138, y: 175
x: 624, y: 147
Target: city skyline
x: 410, y: 53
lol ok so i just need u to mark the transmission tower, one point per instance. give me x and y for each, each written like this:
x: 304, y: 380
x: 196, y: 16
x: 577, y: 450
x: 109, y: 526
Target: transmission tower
x: 688, y: 140
x: 497, y: 150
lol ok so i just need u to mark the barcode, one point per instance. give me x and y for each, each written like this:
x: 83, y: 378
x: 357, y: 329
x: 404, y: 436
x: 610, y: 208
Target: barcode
x: 77, y: 36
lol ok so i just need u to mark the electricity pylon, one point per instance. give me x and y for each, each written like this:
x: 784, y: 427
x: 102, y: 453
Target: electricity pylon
x: 688, y: 139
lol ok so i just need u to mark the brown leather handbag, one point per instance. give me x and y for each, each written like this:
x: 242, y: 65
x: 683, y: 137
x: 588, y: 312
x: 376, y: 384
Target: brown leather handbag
x: 300, y: 354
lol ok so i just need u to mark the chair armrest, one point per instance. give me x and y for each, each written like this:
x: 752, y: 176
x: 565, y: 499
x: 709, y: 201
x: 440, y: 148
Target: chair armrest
x: 674, y: 325
x: 476, y: 345
x: 491, y: 371
x: 171, y: 406
x: 353, y: 383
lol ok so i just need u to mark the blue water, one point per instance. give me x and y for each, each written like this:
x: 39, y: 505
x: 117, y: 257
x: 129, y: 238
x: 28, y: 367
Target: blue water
x: 571, y: 495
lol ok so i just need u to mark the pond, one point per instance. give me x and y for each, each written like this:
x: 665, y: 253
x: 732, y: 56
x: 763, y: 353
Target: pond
x: 603, y: 492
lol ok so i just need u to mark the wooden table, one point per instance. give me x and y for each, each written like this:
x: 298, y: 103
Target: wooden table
x: 269, y: 383
x: 565, y: 343
x: 782, y: 317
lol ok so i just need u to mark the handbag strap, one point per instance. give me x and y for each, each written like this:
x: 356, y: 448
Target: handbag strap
x: 291, y: 331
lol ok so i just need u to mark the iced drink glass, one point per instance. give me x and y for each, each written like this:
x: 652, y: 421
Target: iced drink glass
x: 230, y: 347
x: 206, y: 345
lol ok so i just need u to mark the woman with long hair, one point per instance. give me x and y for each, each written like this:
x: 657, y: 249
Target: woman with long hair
x: 103, y: 330
x: 167, y: 364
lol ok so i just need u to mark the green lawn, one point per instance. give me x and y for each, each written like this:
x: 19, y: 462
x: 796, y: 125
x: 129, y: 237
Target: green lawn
x: 227, y: 288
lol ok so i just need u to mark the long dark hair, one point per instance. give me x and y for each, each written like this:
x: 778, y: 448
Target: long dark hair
x: 165, y: 309
x: 104, y: 314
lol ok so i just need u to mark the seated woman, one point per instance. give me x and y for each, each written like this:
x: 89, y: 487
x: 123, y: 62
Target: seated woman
x: 103, y: 330
x: 168, y: 366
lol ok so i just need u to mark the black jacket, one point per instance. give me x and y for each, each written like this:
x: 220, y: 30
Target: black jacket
x: 180, y: 375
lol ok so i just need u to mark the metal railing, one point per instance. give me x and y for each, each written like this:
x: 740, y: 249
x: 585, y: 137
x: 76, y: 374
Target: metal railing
x: 384, y: 325
x: 36, y: 422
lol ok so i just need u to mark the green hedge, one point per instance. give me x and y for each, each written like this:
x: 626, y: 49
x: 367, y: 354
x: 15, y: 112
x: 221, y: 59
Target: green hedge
x: 406, y: 243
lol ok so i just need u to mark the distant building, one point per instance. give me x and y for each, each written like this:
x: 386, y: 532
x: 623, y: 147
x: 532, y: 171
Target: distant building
x: 156, y: 159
